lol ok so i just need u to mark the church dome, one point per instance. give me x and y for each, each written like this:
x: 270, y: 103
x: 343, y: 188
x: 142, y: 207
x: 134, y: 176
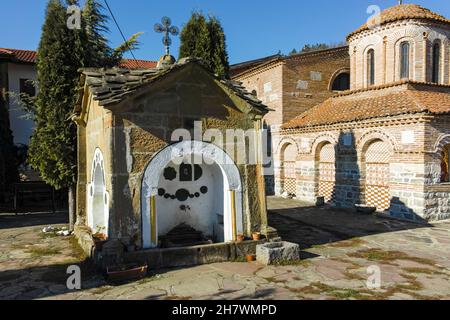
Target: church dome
x: 403, y: 12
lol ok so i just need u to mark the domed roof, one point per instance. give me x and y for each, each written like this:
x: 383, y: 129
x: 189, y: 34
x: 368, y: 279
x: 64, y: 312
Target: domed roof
x: 403, y: 12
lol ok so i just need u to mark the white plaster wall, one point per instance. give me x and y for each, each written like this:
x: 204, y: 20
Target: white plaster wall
x: 204, y: 210
x: 22, y: 128
x: 211, y: 155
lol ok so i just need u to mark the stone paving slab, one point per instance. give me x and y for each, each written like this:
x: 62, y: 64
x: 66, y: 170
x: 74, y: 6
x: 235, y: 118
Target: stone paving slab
x: 414, y: 261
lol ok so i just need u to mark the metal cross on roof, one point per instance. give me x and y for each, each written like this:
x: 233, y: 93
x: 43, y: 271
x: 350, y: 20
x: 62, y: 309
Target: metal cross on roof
x: 166, y: 28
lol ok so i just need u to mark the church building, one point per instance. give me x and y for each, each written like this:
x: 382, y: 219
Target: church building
x: 385, y: 142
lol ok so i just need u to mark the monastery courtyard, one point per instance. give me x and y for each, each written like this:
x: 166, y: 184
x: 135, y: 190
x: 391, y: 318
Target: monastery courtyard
x: 338, y: 247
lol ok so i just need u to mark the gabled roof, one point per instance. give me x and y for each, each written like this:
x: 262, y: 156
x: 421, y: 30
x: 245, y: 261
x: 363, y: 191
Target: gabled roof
x: 402, y: 98
x: 240, y: 68
x: 20, y: 56
x: 404, y: 12
x: 111, y: 86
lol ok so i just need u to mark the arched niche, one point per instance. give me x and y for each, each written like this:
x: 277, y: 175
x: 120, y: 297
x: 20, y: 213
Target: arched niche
x: 98, y: 198
x: 219, y: 172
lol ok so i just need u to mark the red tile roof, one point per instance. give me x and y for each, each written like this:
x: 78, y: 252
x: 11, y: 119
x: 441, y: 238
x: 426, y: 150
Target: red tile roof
x: 137, y: 64
x: 404, y: 12
x: 392, y: 100
x: 29, y: 56
x: 23, y: 56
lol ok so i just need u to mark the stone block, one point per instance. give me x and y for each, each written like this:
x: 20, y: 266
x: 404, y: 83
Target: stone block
x: 275, y: 252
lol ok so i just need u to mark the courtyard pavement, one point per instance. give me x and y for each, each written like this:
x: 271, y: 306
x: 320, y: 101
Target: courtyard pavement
x: 338, y: 248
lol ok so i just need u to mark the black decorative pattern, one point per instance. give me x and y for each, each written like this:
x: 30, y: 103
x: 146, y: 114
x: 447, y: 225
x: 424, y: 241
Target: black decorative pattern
x: 182, y: 195
x: 170, y: 174
x: 186, y: 173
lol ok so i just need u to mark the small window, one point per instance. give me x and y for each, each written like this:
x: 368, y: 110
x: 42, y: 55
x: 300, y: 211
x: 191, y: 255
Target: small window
x: 436, y: 62
x: 27, y: 87
x: 371, y: 67
x: 342, y: 82
x: 445, y: 166
x: 404, y: 60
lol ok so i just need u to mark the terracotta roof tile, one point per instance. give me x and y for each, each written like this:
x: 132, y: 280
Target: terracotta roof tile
x: 403, y: 12
x: 137, y: 64
x: 397, y: 99
x: 29, y: 56
x: 24, y: 56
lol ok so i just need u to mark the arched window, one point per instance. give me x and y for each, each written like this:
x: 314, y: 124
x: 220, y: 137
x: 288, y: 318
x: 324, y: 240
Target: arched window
x: 445, y: 165
x: 342, y: 82
x: 436, y: 62
x: 404, y: 60
x: 371, y: 67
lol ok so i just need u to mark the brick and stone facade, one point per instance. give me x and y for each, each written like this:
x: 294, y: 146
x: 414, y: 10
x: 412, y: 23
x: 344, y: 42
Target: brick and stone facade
x: 292, y: 85
x: 380, y: 144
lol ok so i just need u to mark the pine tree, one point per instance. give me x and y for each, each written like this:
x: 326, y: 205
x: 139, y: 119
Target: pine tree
x: 205, y: 39
x: 53, y: 144
x: 97, y: 52
x: 96, y: 48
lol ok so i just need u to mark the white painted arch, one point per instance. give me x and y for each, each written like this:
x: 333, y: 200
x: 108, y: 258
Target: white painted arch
x: 98, y: 197
x: 210, y: 154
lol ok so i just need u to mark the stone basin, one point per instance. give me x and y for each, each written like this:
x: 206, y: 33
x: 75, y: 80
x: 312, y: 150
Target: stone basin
x: 277, y: 252
x: 363, y: 209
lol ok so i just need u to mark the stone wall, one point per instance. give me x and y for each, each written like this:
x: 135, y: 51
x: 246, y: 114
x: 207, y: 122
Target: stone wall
x: 413, y: 189
x: 97, y: 134
x: 267, y: 82
x: 437, y: 194
x: 140, y: 127
x: 308, y: 79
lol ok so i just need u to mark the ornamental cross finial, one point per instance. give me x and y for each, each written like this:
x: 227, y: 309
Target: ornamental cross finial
x: 166, y: 28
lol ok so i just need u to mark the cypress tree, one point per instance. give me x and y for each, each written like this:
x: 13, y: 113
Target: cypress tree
x: 219, y: 56
x: 53, y: 145
x: 205, y: 39
x: 8, y: 162
x: 195, y: 41
x: 62, y: 52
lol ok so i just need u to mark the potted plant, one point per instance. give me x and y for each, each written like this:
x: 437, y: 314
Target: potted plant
x: 100, y: 238
x: 251, y: 258
x: 240, y: 238
x: 126, y: 272
x: 256, y: 236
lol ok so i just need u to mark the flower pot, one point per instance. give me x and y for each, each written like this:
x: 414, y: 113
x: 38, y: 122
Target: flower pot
x: 126, y: 273
x: 251, y: 258
x: 256, y: 236
x: 99, y: 244
x: 99, y: 240
x: 240, y: 238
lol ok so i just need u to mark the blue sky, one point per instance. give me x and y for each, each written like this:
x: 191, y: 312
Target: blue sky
x: 254, y: 28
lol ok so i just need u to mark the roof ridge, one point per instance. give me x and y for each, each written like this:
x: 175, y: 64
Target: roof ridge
x: 390, y: 85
